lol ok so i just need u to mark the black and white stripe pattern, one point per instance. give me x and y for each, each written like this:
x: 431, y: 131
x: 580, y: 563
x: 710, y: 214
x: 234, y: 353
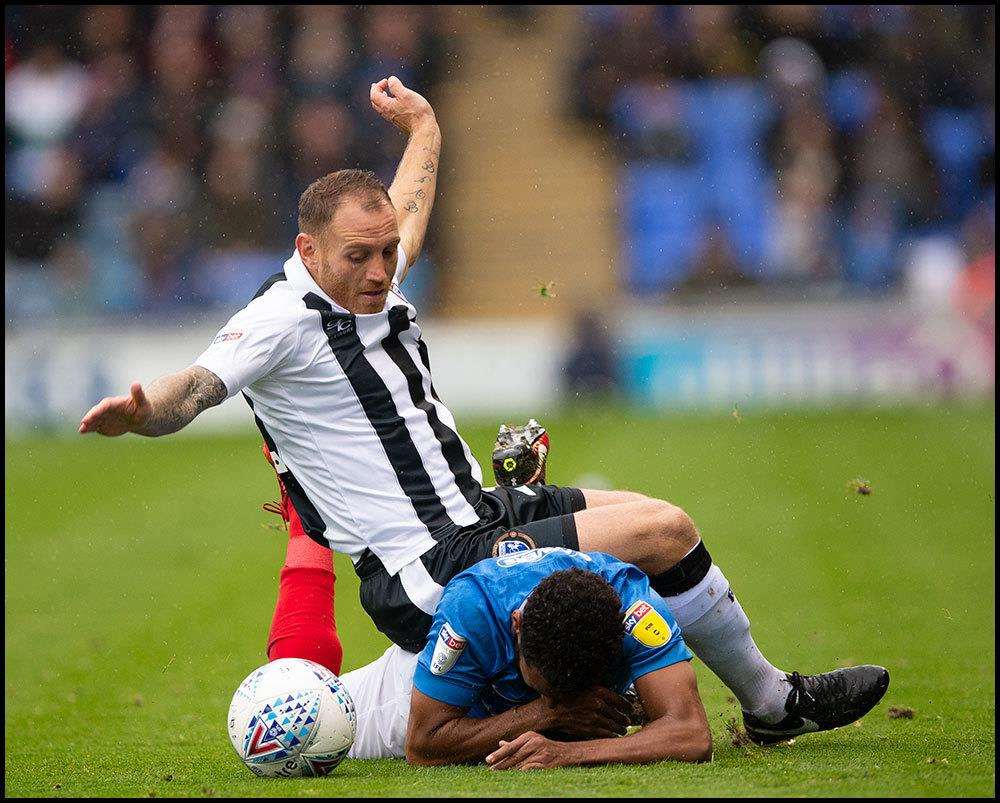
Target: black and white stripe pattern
x: 379, y: 407
x: 372, y: 458
x: 451, y: 445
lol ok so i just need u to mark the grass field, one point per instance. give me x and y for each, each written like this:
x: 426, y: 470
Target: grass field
x: 141, y: 575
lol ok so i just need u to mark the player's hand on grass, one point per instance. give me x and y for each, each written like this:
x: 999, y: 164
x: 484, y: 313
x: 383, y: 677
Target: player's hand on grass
x: 598, y: 713
x: 116, y: 415
x: 531, y: 751
x: 404, y: 108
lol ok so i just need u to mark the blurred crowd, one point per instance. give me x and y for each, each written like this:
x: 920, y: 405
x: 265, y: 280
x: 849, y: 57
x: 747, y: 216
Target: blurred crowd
x: 154, y: 154
x: 802, y: 144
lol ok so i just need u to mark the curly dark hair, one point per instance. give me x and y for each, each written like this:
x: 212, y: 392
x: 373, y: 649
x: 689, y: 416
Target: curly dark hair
x: 571, y: 631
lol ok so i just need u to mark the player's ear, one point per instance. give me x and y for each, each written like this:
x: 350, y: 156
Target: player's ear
x: 305, y: 244
x: 515, y: 623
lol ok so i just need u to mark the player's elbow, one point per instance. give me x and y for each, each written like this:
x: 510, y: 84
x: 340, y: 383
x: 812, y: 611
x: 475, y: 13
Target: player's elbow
x: 414, y: 750
x: 419, y: 752
x: 419, y: 758
x: 415, y: 758
x: 700, y: 746
x: 690, y: 742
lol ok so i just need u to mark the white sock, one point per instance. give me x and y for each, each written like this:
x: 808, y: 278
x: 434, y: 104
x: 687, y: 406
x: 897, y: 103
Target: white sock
x: 717, y: 630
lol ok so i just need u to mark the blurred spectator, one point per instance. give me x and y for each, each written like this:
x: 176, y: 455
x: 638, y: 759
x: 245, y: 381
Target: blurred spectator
x: 108, y: 133
x: 249, y: 42
x: 152, y: 150
x: 47, y: 210
x: 44, y: 97
x: 162, y: 190
x: 591, y: 366
x: 107, y: 29
x: 322, y: 57
x: 323, y: 134
x: 975, y: 293
x: 716, y: 266
x: 806, y: 172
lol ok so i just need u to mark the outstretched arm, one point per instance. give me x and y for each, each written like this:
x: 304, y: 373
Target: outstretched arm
x: 678, y: 730
x: 169, y: 403
x: 438, y: 733
x: 412, y: 190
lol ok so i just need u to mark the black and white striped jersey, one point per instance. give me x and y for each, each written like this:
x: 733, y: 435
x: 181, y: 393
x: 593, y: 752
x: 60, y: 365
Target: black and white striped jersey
x: 369, y: 454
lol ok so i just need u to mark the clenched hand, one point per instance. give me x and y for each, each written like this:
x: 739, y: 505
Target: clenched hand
x: 404, y: 108
x: 598, y: 713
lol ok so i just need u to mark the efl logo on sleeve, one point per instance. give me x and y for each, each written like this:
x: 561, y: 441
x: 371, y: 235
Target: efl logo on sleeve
x: 448, y: 650
x: 645, y: 625
x: 225, y: 337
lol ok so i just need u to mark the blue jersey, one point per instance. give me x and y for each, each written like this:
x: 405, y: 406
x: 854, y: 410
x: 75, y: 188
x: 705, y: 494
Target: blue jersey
x: 470, y: 659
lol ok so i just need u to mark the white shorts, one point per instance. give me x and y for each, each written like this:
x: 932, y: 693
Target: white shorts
x: 381, y: 693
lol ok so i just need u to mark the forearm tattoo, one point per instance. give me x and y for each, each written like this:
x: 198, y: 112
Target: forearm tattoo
x: 425, y: 179
x: 178, y: 398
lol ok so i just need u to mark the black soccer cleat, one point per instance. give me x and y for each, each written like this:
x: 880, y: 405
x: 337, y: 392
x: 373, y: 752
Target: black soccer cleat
x: 822, y: 703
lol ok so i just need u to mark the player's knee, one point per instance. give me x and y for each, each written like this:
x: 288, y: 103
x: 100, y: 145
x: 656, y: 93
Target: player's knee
x: 668, y: 526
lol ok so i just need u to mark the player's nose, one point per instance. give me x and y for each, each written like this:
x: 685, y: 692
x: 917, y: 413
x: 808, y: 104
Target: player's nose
x: 377, y: 278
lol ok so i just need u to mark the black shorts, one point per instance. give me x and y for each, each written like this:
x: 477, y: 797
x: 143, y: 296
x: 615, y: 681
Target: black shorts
x: 511, y: 520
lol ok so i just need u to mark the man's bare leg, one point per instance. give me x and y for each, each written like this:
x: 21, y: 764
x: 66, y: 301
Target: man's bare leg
x: 662, y: 540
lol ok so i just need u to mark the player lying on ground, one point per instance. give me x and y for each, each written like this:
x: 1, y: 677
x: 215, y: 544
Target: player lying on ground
x: 330, y: 359
x: 547, y: 642
x: 527, y: 665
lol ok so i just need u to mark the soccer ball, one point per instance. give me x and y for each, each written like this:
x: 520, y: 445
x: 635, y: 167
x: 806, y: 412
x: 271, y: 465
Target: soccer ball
x: 292, y: 718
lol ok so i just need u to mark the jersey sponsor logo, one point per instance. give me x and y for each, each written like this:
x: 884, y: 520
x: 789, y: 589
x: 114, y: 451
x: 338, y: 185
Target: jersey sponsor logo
x: 512, y: 542
x: 225, y: 337
x: 339, y: 325
x: 645, y: 625
x: 448, y: 650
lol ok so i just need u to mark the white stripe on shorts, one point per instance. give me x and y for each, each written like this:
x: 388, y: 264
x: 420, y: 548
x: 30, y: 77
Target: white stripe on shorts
x: 420, y: 586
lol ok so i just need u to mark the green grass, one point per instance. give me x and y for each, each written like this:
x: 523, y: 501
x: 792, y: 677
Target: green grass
x: 140, y: 580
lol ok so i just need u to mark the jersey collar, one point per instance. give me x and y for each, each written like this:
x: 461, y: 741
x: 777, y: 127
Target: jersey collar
x: 300, y: 278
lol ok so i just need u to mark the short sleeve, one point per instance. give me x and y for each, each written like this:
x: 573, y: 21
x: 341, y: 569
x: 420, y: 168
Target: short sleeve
x: 461, y: 651
x: 250, y: 346
x: 652, y: 637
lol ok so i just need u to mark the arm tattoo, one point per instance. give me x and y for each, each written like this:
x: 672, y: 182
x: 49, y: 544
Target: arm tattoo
x: 419, y: 193
x: 206, y: 389
x: 176, y: 399
x: 412, y: 190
